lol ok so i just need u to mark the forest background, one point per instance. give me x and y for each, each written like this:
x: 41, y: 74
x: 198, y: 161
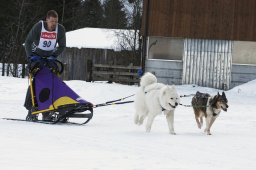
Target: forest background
x: 18, y: 16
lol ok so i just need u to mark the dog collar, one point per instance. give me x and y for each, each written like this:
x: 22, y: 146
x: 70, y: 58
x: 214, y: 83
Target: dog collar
x: 163, y: 109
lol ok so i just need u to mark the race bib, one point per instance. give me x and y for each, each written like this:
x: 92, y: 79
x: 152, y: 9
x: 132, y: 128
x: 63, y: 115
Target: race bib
x: 48, y: 39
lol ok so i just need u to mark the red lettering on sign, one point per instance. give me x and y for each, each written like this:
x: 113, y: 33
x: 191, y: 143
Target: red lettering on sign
x: 48, y: 35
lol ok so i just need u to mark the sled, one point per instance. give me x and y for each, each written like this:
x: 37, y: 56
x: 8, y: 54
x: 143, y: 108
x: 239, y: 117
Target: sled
x: 50, y: 94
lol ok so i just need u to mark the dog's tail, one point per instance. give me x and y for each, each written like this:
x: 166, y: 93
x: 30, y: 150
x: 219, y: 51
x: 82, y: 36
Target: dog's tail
x: 147, y: 79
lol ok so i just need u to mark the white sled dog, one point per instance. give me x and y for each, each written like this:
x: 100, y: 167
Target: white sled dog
x: 154, y: 98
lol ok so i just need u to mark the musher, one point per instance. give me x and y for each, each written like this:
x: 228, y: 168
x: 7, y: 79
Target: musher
x: 41, y: 44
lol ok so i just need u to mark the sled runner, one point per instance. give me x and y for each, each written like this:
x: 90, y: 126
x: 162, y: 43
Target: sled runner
x: 49, y: 94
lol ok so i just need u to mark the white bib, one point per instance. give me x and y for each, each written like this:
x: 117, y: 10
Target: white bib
x: 48, y: 39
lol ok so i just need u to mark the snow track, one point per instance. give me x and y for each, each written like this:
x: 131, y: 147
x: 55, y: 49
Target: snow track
x: 111, y: 141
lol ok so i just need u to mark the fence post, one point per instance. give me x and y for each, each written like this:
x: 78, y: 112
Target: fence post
x: 89, y: 71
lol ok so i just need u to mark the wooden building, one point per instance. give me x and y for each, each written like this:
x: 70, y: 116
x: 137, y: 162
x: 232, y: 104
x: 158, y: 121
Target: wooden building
x: 94, y: 54
x: 205, y: 42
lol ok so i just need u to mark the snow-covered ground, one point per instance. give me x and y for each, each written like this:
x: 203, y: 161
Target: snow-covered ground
x: 111, y: 141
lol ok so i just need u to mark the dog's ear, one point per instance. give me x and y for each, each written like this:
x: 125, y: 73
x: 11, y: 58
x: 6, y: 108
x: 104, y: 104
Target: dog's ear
x: 172, y: 86
x: 218, y: 94
x: 224, y: 97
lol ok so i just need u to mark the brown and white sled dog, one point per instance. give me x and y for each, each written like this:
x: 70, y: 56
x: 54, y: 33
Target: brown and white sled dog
x: 209, y: 107
x: 154, y: 98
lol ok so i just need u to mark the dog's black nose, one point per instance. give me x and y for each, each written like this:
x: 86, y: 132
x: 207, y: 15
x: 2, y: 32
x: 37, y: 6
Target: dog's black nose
x: 226, y: 106
x: 176, y: 104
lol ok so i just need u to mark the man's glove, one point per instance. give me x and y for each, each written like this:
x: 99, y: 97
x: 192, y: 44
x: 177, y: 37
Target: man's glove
x: 52, y: 63
x: 34, y: 58
x: 34, y: 62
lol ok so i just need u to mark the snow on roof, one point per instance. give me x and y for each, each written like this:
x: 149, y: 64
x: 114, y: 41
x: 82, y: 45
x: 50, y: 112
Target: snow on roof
x: 99, y: 38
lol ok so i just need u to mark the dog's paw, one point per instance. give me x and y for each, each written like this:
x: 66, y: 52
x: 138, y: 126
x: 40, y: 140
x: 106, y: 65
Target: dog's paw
x: 140, y: 122
x: 148, y: 129
x: 198, y: 124
x: 172, y: 133
x: 136, y: 119
x: 207, y: 132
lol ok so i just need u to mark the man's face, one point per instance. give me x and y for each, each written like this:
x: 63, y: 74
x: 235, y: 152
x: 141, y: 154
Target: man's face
x: 51, y: 23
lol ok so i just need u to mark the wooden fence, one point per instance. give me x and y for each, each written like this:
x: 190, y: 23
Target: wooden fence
x: 116, y: 73
x: 100, y: 64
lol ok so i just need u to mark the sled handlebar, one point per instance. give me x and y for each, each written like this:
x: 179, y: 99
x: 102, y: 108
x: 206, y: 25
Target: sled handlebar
x: 61, y: 67
x: 57, y: 66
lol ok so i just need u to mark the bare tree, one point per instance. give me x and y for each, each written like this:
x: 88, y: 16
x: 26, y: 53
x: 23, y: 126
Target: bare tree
x: 22, y: 15
x: 63, y: 11
x: 129, y: 39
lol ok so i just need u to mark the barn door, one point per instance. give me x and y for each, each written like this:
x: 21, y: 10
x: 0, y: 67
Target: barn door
x: 207, y: 63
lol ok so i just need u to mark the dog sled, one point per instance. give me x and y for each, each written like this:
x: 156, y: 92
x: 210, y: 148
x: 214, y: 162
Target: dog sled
x: 49, y: 94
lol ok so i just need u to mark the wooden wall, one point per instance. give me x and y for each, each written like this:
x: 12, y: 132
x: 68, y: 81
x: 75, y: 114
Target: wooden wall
x: 242, y: 73
x: 170, y: 72
x: 207, y: 19
x: 78, y: 63
x: 166, y: 71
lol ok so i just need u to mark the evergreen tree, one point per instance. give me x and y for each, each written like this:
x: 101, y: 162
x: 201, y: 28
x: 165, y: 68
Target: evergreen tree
x: 67, y: 10
x: 91, y: 14
x: 114, y: 14
x: 17, y: 18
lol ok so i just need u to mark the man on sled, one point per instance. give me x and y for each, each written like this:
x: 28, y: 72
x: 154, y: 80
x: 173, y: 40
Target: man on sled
x: 42, y: 51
